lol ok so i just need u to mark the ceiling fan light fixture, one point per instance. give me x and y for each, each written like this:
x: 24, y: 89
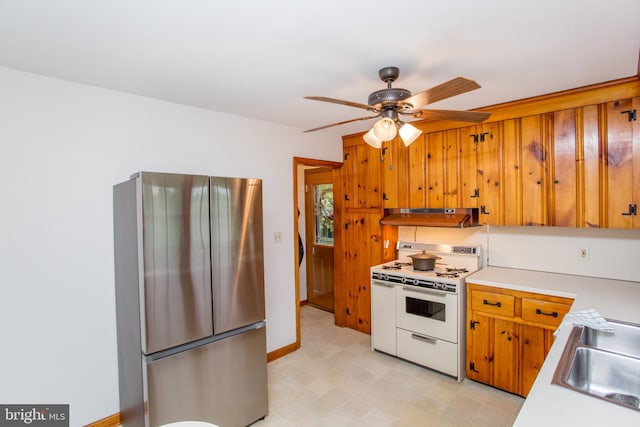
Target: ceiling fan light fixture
x: 371, y: 139
x: 409, y: 133
x: 385, y: 129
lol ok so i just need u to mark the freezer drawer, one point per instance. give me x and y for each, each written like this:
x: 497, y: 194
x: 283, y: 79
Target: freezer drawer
x: 224, y: 383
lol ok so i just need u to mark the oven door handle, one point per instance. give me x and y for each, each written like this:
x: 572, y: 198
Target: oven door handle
x: 424, y: 338
x: 380, y: 282
x: 425, y: 291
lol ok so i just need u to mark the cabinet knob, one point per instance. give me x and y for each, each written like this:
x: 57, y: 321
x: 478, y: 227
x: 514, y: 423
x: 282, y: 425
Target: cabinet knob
x: 526, y: 341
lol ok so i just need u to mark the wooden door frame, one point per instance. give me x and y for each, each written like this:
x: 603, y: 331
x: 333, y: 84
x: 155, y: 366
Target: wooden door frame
x: 302, y: 161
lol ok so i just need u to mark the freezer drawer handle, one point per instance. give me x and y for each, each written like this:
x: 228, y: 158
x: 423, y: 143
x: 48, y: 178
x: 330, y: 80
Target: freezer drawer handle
x: 553, y: 313
x: 424, y: 338
x: 497, y: 304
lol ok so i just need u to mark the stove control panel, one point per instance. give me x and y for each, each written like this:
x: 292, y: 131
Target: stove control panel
x: 421, y: 283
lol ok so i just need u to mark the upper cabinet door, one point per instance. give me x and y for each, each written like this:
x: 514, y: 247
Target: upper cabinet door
x: 533, y: 154
x: 361, y: 175
x: 563, y: 209
x: 395, y: 192
x: 176, y: 266
x: 623, y: 163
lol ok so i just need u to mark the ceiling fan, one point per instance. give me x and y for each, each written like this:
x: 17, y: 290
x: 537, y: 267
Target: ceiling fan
x: 391, y: 103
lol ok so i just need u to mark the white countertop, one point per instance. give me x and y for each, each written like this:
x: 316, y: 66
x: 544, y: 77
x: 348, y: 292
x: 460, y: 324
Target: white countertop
x: 553, y: 405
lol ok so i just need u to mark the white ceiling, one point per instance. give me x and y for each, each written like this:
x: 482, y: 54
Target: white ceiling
x: 259, y: 58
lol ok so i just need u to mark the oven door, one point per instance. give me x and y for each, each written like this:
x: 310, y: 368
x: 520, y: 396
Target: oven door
x: 428, y: 312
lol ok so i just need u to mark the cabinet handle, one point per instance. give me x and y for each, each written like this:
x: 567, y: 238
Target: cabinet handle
x: 424, y: 338
x: 631, y: 114
x: 526, y: 341
x: 553, y: 313
x: 497, y: 304
x: 633, y: 210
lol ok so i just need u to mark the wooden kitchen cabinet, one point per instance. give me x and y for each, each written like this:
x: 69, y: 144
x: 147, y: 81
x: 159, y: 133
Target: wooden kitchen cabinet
x: 395, y: 180
x: 623, y: 163
x: 509, y: 334
x: 417, y: 173
x: 361, y: 175
x: 358, y: 233
x: 480, y: 171
x: 569, y: 159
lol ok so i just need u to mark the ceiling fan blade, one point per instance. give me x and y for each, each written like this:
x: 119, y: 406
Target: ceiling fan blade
x: 341, y: 102
x: 342, y: 123
x: 464, y: 116
x: 445, y: 90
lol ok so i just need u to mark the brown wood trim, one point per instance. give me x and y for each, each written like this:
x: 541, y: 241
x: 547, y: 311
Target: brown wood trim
x: 110, y: 421
x: 282, y: 351
x: 304, y: 302
x: 316, y: 162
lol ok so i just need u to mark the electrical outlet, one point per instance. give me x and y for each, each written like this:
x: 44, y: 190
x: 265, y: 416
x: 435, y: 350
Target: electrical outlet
x: 584, y: 254
x: 277, y: 237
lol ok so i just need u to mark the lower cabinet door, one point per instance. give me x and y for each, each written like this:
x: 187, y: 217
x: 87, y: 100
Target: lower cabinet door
x: 535, y: 346
x: 429, y: 352
x: 505, y: 356
x: 479, y: 348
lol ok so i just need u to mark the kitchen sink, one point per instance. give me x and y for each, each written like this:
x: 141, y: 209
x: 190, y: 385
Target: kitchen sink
x: 625, y: 339
x: 603, y: 365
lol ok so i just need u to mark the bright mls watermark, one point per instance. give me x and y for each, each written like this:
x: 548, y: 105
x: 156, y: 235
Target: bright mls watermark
x: 34, y: 415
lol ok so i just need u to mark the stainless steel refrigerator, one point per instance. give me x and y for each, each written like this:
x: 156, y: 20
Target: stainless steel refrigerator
x: 189, y: 275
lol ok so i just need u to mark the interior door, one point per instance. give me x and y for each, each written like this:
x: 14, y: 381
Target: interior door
x: 319, y: 225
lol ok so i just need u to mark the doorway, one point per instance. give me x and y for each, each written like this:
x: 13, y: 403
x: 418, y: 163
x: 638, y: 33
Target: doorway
x: 299, y: 165
x: 319, y: 236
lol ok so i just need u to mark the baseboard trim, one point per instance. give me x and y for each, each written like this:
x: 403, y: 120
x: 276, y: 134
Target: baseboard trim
x: 282, y: 351
x: 110, y: 421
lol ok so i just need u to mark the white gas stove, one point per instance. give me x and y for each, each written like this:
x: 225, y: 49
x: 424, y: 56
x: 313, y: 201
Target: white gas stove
x: 419, y: 315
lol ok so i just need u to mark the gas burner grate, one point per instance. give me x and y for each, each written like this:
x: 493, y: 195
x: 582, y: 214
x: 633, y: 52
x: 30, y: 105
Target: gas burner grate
x: 457, y: 270
x: 397, y: 265
x: 447, y: 274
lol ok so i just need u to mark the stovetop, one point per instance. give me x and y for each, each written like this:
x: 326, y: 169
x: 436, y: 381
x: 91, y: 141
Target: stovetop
x: 453, y: 265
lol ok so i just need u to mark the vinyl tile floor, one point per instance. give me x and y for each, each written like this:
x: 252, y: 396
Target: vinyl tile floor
x: 335, y: 379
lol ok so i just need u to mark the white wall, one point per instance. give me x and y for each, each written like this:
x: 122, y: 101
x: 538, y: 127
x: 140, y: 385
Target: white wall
x: 613, y: 253
x: 64, y: 146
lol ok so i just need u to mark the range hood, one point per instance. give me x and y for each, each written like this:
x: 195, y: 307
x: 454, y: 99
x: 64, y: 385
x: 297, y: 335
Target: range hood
x: 436, y: 217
